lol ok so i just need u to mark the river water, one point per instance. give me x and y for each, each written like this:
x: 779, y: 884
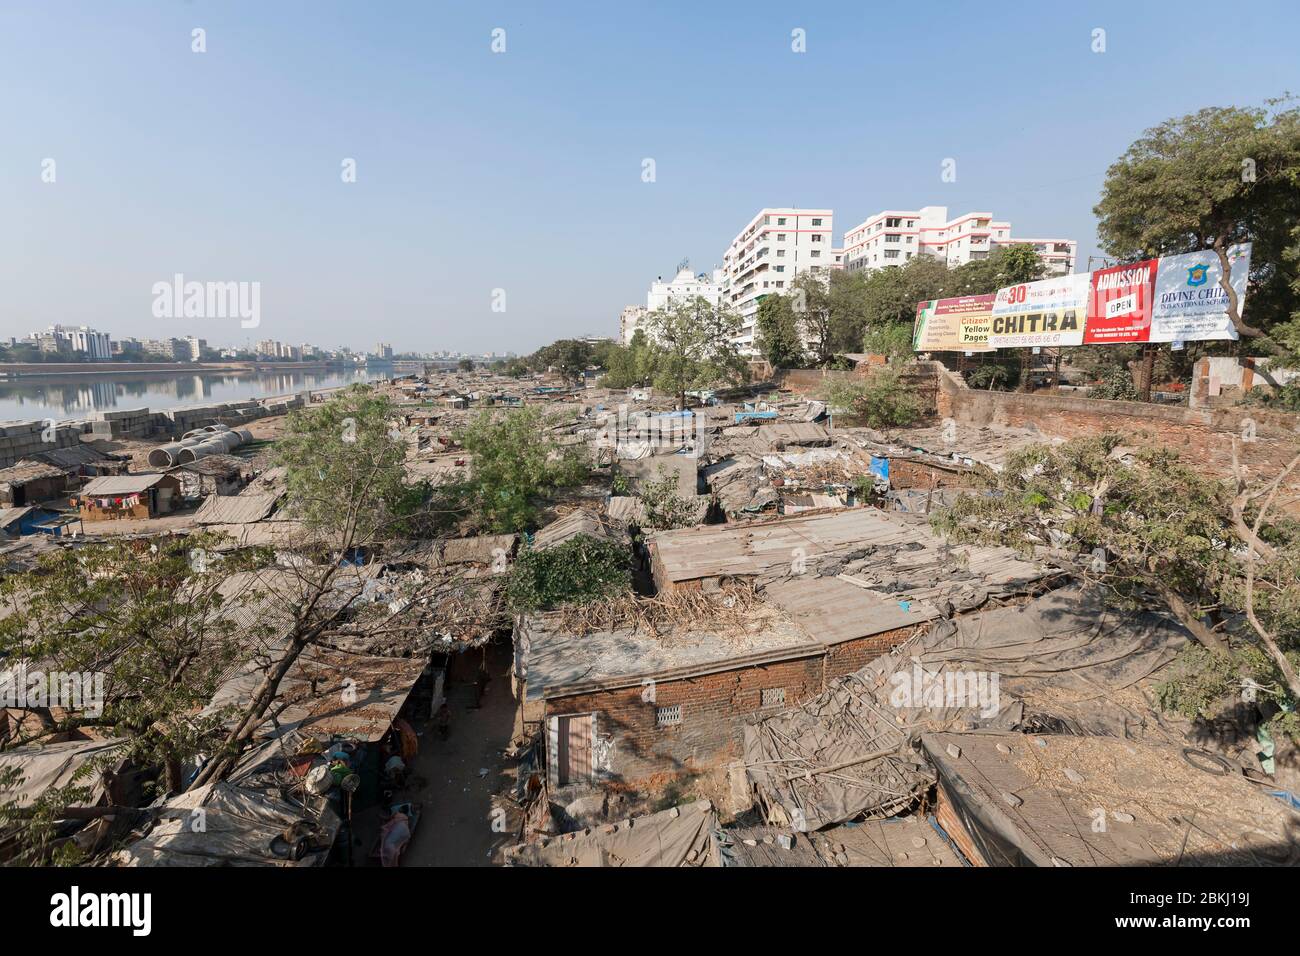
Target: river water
x: 27, y: 399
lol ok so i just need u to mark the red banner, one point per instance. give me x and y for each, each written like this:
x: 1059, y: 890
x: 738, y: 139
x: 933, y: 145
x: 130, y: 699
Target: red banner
x: 1119, y: 304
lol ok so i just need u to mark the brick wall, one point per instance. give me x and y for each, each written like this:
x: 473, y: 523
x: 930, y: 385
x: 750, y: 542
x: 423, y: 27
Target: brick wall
x: 715, y: 708
x: 1201, y: 436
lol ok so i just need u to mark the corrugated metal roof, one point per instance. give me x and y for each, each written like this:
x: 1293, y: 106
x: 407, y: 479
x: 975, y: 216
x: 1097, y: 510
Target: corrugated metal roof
x: 28, y: 470
x: 235, y: 509
x: 122, y: 484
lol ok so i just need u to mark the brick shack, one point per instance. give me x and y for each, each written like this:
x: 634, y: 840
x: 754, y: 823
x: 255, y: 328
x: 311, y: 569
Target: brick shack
x: 625, y: 708
x: 128, y: 496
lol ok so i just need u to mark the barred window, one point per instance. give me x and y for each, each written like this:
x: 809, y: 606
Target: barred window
x: 668, y: 716
x: 773, y: 697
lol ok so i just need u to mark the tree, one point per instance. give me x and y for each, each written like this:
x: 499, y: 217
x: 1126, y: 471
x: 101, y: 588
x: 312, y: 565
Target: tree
x: 1144, y: 525
x: 150, y: 629
x: 881, y: 399
x: 847, y: 294
x: 346, y: 480
x: 694, y: 348
x: 1012, y: 265
x: 569, y: 357
x: 465, y: 365
x: 629, y: 365
x: 514, y: 461
x: 810, y: 301
x: 777, y: 333
x: 1208, y: 180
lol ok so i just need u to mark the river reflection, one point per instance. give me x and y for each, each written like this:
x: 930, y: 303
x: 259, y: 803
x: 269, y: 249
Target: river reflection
x: 28, y: 399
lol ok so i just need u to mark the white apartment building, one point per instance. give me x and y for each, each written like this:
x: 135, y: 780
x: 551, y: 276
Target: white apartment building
x: 95, y: 345
x: 893, y: 236
x: 775, y: 246
x: 84, y: 340
x: 684, y: 287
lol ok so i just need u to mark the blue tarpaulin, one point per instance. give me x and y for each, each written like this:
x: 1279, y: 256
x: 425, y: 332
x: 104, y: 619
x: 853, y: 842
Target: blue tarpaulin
x: 880, y: 468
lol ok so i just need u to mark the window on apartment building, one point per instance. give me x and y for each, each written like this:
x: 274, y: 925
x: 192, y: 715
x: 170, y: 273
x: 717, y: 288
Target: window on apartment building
x: 780, y: 285
x: 780, y: 221
x: 816, y: 222
x: 772, y: 697
x: 668, y: 716
x: 779, y: 269
x: 780, y: 237
x: 891, y: 253
x: 893, y: 222
x: 780, y: 253
x: 911, y: 223
x: 815, y: 253
x: 816, y: 237
x: 891, y: 237
x: 909, y: 239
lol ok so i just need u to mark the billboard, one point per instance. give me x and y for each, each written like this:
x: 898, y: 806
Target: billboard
x: 1049, y: 312
x: 1190, y: 305
x: 959, y: 324
x: 1170, y: 299
x: 1119, y: 304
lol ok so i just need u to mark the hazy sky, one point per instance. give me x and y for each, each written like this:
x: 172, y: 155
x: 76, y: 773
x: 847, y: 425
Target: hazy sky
x: 522, y: 170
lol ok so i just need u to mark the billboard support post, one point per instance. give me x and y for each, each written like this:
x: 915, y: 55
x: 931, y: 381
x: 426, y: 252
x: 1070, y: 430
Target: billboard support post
x: 1148, y: 369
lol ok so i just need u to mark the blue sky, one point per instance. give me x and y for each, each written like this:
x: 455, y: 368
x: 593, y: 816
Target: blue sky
x: 522, y: 171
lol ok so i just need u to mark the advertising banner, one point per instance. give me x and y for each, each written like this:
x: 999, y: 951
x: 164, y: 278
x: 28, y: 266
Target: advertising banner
x: 1049, y: 312
x: 1119, y: 304
x: 959, y: 324
x: 1190, y: 305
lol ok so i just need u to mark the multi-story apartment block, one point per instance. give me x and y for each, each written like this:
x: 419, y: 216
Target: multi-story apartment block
x: 84, y: 340
x: 893, y: 236
x: 765, y: 257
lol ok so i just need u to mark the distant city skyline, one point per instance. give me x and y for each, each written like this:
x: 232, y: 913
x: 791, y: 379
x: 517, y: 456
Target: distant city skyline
x: 384, y: 175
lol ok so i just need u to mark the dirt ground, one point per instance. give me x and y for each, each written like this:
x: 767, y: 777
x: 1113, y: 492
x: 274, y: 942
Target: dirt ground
x: 456, y: 826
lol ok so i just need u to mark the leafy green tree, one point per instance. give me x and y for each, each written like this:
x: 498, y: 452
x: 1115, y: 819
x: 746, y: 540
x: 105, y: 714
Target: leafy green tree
x: 465, y: 365
x: 881, y: 399
x: 1005, y: 267
x: 569, y: 357
x: 1207, y: 180
x: 630, y: 365
x: 345, y: 463
x: 693, y: 347
x: 514, y: 463
x: 777, y: 333
x: 346, y: 480
x: 848, y: 305
x: 149, y: 628
x: 810, y: 300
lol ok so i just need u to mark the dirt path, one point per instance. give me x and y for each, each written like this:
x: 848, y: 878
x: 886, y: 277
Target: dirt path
x: 456, y: 827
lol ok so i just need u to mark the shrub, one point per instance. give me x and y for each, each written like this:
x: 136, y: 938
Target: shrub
x: 581, y: 570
